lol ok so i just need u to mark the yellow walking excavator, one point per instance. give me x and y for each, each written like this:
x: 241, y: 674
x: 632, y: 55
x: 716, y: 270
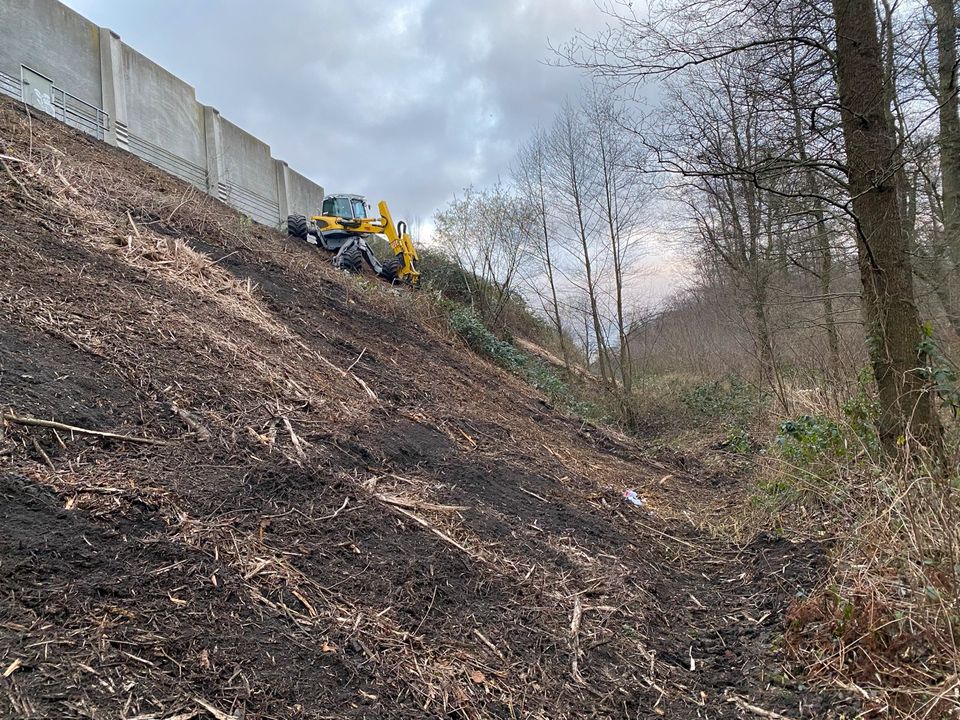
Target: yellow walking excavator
x: 343, y: 228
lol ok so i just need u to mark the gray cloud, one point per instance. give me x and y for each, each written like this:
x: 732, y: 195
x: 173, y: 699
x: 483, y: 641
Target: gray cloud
x: 407, y: 101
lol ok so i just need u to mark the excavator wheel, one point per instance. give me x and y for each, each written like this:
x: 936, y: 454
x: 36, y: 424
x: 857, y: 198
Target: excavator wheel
x: 350, y: 259
x: 297, y: 227
x: 391, y: 269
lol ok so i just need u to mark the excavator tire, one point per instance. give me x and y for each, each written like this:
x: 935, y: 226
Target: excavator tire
x: 297, y: 227
x: 391, y: 268
x: 350, y: 260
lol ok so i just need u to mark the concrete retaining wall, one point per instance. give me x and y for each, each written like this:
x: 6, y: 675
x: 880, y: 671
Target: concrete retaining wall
x: 248, y: 179
x: 302, y: 198
x: 52, y: 39
x: 146, y: 110
x: 163, y: 118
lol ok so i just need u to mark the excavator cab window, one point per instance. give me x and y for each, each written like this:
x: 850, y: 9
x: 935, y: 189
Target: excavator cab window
x: 359, y: 208
x: 338, y: 206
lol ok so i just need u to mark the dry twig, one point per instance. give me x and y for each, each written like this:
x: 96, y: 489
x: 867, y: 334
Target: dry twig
x: 296, y: 440
x: 440, y: 534
x: 575, y: 621
x: 418, y: 504
x: 218, y: 714
x: 744, y: 705
x: 82, y: 431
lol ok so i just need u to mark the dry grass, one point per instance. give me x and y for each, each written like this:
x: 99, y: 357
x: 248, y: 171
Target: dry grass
x: 884, y: 622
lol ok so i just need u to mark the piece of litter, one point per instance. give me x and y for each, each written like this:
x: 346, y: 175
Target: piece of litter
x: 631, y: 497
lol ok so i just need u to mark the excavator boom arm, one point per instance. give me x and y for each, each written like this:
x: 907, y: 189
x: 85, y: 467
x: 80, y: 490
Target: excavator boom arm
x: 402, y: 244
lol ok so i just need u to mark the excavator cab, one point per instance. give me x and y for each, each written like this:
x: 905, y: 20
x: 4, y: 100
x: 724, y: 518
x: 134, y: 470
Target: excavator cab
x: 347, y: 207
x: 342, y: 227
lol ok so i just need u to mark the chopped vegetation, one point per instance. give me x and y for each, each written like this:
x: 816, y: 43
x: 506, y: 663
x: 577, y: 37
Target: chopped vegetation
x: 327, y: 505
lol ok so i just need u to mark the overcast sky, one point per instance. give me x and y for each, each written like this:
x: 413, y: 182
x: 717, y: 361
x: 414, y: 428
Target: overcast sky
x: 404, y: 101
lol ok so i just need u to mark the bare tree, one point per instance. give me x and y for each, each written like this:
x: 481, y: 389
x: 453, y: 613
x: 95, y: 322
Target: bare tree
x: 622, y: 199
x: 797, y: 77
x: 575, y: 186
x: 530, y: 178
x: 715, y: 140
x: 482, y: 230
x: 892, y: 320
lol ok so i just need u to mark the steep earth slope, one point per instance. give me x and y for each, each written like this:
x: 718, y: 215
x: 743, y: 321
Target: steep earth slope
x: 343, y: 514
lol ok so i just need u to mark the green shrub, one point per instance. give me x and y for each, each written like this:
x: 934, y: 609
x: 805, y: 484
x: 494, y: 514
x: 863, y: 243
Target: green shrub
x: 807, y: 437
x: 738, y: 440
x: 939, y: 370
x: 468, y: 325
x: 730, y: 400
x: 445, y: 279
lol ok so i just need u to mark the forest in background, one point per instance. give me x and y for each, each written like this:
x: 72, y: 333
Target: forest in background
x: 804, y: 159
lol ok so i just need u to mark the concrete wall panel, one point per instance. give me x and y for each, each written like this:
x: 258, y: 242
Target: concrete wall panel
x: 53, y: 40
x: 162, y: 109
x: 304, y: 197
x: 247, y: 161
x: 248, y: 174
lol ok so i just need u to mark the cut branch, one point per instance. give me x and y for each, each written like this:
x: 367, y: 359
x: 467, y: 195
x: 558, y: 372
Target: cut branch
x: 82, y: 431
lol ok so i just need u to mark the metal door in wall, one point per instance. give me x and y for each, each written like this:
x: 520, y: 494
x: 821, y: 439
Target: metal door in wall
x: 40, y: 91
x: 37, y: 90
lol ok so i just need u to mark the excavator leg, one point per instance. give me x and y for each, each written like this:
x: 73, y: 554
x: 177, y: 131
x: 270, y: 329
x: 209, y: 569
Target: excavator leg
x: 349, y: 257
x: 355, y: 251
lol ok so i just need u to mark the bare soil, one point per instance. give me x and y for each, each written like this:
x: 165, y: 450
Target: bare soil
x: 352, y: 516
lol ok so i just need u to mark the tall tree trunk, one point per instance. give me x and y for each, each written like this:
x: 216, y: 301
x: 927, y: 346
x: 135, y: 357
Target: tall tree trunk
x: 594, y: 306
x: 890, y: 314
x: 571, y: 152
x: 826, y: 276
x: 588, y: 269
x: 756, y: 259
x: 612, y: 214
x: 530, y: 175
x: 758, y: 302
x: 548, y: 259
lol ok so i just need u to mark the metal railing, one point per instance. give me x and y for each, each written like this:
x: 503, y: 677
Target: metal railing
x: 163, y: 159
x: 80, y: 114
x: 64, y: 107
x: 92, y: 120
x: 252, y: 204
x: 11, y: 86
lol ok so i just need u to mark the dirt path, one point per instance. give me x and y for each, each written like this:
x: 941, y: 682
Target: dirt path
x: 353, y: 516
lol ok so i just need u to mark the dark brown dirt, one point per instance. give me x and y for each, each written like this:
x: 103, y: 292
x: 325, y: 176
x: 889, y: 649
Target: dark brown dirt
x: 452, y: 548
